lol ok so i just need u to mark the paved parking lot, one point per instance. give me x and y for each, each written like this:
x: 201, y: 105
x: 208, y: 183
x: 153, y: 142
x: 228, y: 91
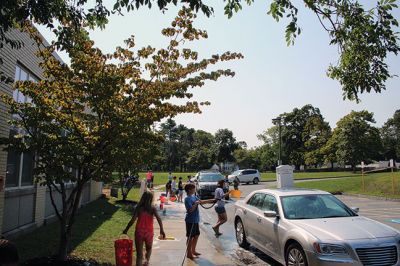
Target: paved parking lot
x: 384, y: 211
x: 377, y: 209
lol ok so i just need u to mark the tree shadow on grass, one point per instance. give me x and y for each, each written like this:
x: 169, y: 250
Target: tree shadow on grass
x: 90, y: 218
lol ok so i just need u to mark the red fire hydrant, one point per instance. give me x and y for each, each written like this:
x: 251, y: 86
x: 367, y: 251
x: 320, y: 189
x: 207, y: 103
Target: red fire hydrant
x: 123, y: 251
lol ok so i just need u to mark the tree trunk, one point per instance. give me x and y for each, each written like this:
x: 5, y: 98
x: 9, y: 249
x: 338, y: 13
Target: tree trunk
x: 68, y: 219
x: 64, y: 242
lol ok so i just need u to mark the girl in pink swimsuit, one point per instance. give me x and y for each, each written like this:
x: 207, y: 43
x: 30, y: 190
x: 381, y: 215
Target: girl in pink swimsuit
x: 144, y: 232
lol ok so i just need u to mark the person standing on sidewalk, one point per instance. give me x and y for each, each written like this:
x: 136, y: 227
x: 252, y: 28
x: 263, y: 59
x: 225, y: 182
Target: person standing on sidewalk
x: 169, y: 176
x: 173, y: 186
x: 144, y: 232
x: 149, y: 179
x: 192, y: 220
x: 220, y: 207
x: 180, y: 190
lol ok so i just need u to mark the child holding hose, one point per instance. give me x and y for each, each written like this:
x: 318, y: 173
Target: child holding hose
x: 192, y: 220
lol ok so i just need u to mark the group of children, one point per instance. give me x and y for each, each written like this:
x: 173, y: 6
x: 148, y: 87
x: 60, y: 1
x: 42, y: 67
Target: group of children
x: 172, y: 188
x: 145, y: 211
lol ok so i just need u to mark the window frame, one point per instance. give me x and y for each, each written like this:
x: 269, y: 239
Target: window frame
x: 17, y: 94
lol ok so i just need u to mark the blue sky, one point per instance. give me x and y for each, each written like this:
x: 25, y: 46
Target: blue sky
x: 271, y: 79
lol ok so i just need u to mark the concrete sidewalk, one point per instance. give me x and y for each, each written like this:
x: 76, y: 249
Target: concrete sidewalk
x: 171, y: 252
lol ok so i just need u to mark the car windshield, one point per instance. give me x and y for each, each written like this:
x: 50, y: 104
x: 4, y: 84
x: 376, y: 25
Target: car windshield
x: 314, y: 207
x: 210, y: 177
x: 236, y: 172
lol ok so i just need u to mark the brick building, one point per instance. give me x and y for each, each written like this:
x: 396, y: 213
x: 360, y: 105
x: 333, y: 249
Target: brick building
x: 24, y: 205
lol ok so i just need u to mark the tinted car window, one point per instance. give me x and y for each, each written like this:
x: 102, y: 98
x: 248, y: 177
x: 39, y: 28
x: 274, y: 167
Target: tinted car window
x: 245, y: 172
x: 257, y: 200
x: 251, y: 172
x: 210, y: 177
x: 270, y: 204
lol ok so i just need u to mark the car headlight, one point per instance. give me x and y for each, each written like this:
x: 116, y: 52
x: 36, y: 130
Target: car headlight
x: 330, y: 249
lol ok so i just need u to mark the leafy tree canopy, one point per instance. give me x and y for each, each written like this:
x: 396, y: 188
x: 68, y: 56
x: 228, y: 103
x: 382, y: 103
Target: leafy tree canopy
x: 391, y: 137
x: 364, y: 36
x: 97, y: 113
x: 355, y: 139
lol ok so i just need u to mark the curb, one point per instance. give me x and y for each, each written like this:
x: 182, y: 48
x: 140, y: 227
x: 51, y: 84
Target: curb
x: 304, y: 179
x: 371, y: 197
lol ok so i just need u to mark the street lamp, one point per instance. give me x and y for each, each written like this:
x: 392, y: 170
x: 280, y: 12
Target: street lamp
x: 278, y: 121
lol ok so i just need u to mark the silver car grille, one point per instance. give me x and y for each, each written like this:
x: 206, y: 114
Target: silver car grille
x: 382, y: 256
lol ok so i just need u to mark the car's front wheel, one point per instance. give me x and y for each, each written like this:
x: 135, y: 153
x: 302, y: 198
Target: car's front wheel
x: 255, y: 181
x: 240, y: 234
x: 295, y: 255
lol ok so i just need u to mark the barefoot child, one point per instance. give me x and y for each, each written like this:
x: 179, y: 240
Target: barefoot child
x: 220, y: 207
x: 144, y: 213
x: 192, y: 220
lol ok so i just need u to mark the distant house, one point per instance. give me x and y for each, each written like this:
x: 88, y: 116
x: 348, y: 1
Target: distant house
x: 214, y: 167
x: 228, y: 167
x: 23, y: 204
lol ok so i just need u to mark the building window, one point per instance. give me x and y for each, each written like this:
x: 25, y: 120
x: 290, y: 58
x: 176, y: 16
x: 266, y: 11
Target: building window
x: 22, y: 74
x: 19, y: 171
x: 20, y: 166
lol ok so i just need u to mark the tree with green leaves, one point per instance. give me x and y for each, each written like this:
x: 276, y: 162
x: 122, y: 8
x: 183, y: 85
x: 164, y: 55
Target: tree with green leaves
x: 305, y: 132
x: 355, y: 139
x: 226, y: 145
x: 390, y: 133
x: 83, y: 115
x: 316, y: 134
x: 364, y: 35
x: 203, y: 152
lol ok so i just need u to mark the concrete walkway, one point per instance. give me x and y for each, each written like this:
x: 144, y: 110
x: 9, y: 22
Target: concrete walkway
x: 171, y: 252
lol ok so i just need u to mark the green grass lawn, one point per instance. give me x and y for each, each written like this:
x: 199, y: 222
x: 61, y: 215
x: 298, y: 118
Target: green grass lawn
x: 378, y: 184
x: 97, y: 225
x: 269, y: 176
x: 160, y: 178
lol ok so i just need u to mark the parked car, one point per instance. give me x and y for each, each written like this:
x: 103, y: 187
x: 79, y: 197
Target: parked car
x: 206, y: 183
x: 246, y: 176
x: 312, y: 227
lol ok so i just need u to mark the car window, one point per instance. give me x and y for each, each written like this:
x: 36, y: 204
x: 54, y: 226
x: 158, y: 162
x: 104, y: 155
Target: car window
x: 314, y: 207
x: 245, y: 172
x: 210, y: 177
x: 252, y: 172
x: 257, y: 200
x: 270, y: 204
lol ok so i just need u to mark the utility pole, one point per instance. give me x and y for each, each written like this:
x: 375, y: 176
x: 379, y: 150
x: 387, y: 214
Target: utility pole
x: 279, y: 121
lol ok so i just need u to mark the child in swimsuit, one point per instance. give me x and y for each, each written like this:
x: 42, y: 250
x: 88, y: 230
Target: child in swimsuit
x: 144, y: 232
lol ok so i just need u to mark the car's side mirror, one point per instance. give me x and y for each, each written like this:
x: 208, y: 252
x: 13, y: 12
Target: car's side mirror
x: 271, y: 214
x: 355, y: 209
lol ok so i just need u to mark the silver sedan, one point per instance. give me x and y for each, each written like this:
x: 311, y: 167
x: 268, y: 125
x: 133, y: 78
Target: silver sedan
x: 313, y: 227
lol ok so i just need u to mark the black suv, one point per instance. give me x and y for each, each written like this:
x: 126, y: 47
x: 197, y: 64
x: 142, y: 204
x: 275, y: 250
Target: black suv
x: 206, y: 183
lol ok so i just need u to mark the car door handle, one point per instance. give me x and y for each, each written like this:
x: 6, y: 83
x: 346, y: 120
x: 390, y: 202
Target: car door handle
x: 244, y: 211
x: 259, y: 219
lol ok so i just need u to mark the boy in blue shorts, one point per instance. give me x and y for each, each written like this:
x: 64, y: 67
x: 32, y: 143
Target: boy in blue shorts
x: 192, y: 220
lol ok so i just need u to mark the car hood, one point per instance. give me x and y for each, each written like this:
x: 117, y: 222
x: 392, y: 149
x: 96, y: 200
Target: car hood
x: 345, y: 228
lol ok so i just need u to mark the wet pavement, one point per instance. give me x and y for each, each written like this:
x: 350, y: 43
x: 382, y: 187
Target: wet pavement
x: 385, y: 211
x: 172, y: 252
x: 224, y: 249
